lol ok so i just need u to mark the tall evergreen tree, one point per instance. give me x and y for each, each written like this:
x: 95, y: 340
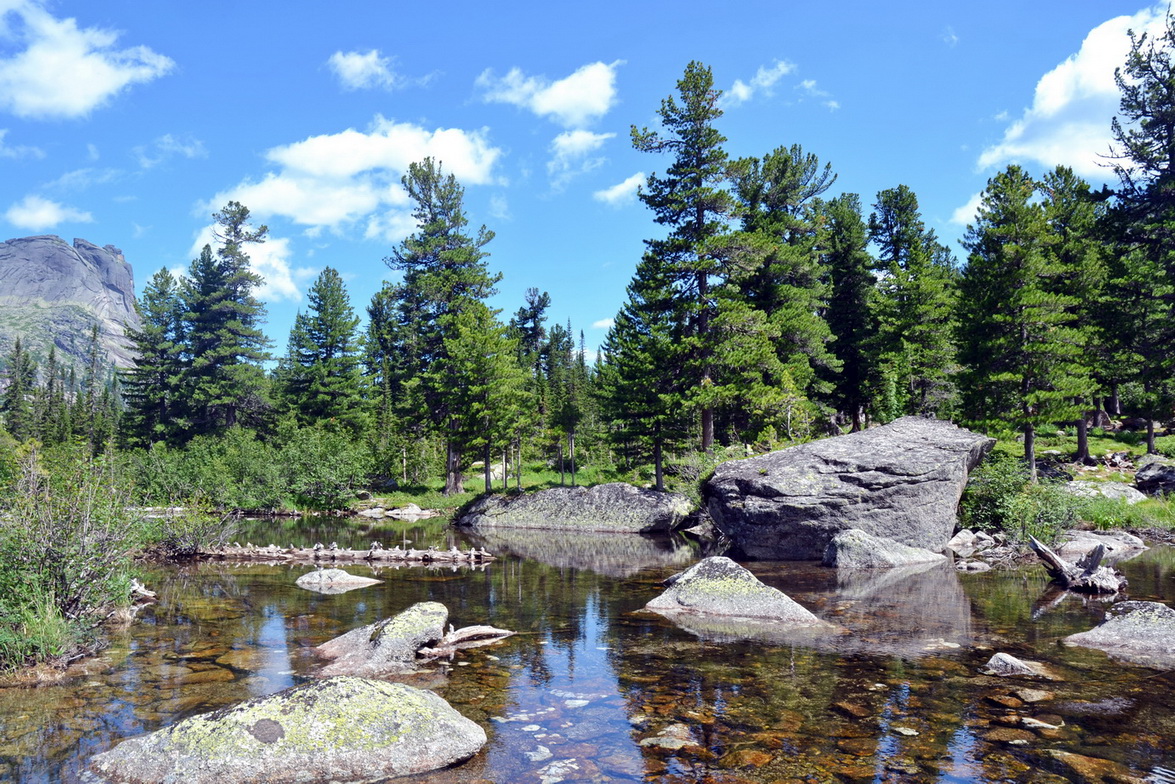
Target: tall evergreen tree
x: 152, y: 387
x: 224, y: 344
x: 17, y: 403
x: 691, y: 200
x: 444, y: 273
x: 1016, y: 327
x: 915, y: 305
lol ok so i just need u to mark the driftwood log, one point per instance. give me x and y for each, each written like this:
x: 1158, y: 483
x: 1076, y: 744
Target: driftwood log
x: 468, y: 637
x: 319, y: 554
x: 1085, y: 576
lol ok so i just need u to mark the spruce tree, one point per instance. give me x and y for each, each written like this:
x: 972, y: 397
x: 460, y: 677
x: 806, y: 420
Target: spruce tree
x: 17, y: 403
x: 152, y: 387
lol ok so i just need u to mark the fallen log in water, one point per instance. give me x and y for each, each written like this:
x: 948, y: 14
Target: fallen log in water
x: 376, y: 554
x: 1085, y: 576
x: 468, y: 637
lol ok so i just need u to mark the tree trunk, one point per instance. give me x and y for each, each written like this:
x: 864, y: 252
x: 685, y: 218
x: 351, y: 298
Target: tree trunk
x: 453, y: 480
x: 488, y: 471
x: 518, y: 465
x: 659, y: 477
x: 1114, y: 404
x: 1082, y: 434
x: 856, y: 419
x: 506, y: 466
x: 1150, y: 436
x: 1030, y: 450
x: 571, y: 446
x: 561, y: 463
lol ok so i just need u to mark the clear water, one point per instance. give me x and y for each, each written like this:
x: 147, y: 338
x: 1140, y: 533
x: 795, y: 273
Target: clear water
x: 592, y: 689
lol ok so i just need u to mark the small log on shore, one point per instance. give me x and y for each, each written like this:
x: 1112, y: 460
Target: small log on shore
x: 377, y: 554
x: 1085, y: 576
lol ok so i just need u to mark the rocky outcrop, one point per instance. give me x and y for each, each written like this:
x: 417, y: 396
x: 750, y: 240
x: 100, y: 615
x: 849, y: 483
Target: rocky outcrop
x: 333, y: 581
x: 1137, y: 632
x: 1157, y: 477
x: 855, y: 549
x: 52, y: 293
x: 1115, y: 491
x: 1005, y: 665
x: 341, y: 729
x: 615, y: 507
x: 388, y: 646
x: 901, y: 481
x: 719, y: 586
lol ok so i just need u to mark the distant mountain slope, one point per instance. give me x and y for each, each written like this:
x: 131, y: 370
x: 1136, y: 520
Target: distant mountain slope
x: 52, y: 292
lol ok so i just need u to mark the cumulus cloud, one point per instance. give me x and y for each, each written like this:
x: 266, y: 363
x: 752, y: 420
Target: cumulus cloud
x: 352, y: 178
x: 573, y: 101
x: 810, y: 88
x: 18, y: 151
x: 270, y: 260
x: 571, y: 155
x: 966, y: 214
x: 169, y: 146
x: 364, y: 70
x: 763, y: 82
x: 62, y: 70
x: 1069, y: 120
x: 36, y: 213
x: 605, y: 323
x: 622, y: 192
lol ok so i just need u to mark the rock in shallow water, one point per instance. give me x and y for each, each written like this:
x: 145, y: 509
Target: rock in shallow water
x: 855, y: 549
x: 1136, y: 632
x: 340, y: 729
x: 901, y: 481
x: 333, y: 581
x: 387, y: 646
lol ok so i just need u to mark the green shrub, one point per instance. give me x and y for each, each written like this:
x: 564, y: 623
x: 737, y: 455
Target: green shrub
x: 999, y: 495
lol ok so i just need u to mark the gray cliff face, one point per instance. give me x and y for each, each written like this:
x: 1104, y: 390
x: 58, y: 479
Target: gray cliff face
x: 52, y: 292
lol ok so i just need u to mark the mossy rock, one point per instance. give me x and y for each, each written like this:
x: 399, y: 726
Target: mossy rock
x: 342, y: 729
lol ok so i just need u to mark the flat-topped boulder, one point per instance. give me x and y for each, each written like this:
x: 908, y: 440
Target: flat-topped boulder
x: 855, y: 549
x: 901, y: 481
x: 340, y: 729
x: 720, y: 587
x: 333, y: 581
x: 388, y: 646
x: 1137, y: 632
x: 615, y: 507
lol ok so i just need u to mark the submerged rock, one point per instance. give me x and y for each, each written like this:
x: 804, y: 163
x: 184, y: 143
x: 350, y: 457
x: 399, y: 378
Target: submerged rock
x: 387, y: 646
x: 1136, y: 632
x: 614, y: 507
x: 341, y: 729
x: 719, y: 586
x: 333, y: 581
x: 855, y: 549
x: 901, y: 481
x: 1005, y: 665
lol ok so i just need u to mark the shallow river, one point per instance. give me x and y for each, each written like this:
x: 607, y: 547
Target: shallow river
x: 592, y: 689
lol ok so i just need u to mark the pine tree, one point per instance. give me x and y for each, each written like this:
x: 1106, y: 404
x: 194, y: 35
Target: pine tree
x: 692, y: 201
x: 1016, y: 328
x: 915, y: 305
x: 17, y: 403
x: 849, y: 313
x: 152, y: 387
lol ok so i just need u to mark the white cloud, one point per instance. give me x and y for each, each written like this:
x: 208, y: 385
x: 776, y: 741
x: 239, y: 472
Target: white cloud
x: 80, y: 179
x: 762, y: 82
x: 573, y: 101
x: 605, y: 323
x: 949, y: 37
x: 500, y: 207
x: 966, y: 214
x: 37, y: 213
x: 65, y: 70
x: 18, y: 151
x: 270, y: 260
x: 352, y: 178
x: 1069, y: 120
x: 571, y: 155
x: 169, y: 146
x: 622, y: 192
x: 363, y: 71
x: 809, y: 87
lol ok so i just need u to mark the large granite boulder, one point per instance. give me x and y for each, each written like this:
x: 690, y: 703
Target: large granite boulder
x: 1137, y: 632
x: 719, y: 586
x: 855, y: 549
x: 901, y: 481
x: 615, y: 507
x: 1157, y: 477
x: 341, y: 729
x: 388, y: 646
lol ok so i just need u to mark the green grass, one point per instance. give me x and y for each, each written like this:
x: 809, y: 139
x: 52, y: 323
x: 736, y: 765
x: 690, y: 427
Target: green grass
x: 1101, y: 443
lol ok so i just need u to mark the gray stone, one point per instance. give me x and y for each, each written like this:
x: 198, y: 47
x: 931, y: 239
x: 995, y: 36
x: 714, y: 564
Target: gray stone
x: 1117, y: 544
x: 1115, y: 491
x: 603, y: 553
x: 52, y: 293
x: 902, y: 481
x: 1137, y: 632
x: 341, y: 729
x: 614, y: 507
x: 388, y: 646
x: 719, y: 586
x: 855, y: 549
x: 1156, y: 477
x: 1005, y: 665
x: 333, y: 581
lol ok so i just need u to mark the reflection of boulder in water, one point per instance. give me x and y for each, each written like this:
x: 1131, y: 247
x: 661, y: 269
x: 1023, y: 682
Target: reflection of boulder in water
x: 610, y: 555
x: 716, y: 628
x: 908, y: 611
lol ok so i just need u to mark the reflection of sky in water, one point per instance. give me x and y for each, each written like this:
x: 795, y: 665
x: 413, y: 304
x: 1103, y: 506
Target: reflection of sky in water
x: 588, y: 676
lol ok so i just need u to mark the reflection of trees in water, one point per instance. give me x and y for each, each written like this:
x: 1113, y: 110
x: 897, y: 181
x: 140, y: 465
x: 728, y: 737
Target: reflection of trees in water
x: 612, y: 555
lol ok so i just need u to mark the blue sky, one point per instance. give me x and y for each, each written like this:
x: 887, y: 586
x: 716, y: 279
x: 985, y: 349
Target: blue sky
x: 128, y: 122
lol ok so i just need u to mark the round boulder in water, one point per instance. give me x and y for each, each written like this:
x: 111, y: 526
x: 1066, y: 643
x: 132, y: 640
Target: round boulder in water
x: 340, y: 729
